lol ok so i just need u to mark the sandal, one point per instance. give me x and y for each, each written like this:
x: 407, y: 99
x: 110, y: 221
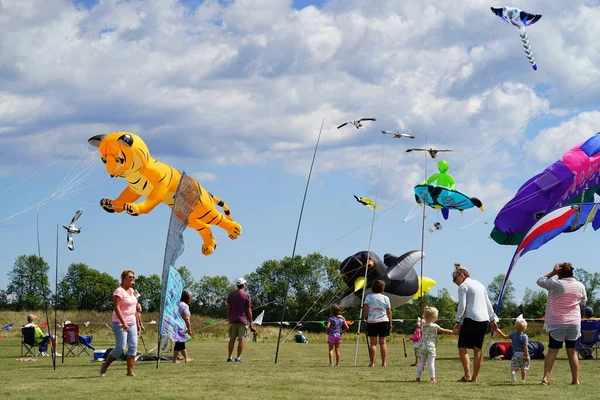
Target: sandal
x: 463, y: 379
x: 545, y: 382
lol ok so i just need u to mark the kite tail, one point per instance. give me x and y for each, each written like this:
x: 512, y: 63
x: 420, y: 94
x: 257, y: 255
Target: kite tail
x: 527, y: 47
x: 221, y: 204
x: 513, y: 262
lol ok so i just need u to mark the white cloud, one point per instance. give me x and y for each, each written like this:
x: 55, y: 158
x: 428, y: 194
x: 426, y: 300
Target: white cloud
x: 550, y: 144
x: 204, y: 176
x: 249, y: 82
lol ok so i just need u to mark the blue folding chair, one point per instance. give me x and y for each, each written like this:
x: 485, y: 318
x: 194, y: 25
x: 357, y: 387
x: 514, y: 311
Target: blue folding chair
x: 589, y: 341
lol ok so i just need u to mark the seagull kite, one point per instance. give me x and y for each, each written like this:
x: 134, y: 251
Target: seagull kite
x: 358, y: 123
x: 432, y: 152
x: 398, y: 135
x: 520, y: 19
x: 72, y: 229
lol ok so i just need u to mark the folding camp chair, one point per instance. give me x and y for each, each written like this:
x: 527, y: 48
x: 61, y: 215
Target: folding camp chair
x: 28, y: 341
x: 71, y: 342
x: 589, y: 341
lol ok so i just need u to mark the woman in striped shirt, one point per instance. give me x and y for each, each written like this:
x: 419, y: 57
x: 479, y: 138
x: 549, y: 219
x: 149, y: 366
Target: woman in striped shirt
x: 563, y: 317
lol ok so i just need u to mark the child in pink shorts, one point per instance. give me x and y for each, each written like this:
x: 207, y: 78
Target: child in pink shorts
x: 336, y: 327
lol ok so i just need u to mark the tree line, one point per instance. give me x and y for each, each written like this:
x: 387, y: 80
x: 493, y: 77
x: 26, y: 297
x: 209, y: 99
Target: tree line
x: 313, y: 283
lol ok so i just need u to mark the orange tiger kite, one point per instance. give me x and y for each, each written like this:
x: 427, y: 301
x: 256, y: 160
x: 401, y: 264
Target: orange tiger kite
x: 127, y: 156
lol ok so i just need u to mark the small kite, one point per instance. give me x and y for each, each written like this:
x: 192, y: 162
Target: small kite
x: 564, y: 219
x: 367, y: 202
x: 436, y: 227
x: 7, y: 327
x: 402, y: 281
x: 398, y: 135
x: 520, y: 19
x: 443, y: 195
x: 259, y: 320
x: 72, y: 229
x: 358, y: 124
x: 575, y: 178
x: 432, y: 152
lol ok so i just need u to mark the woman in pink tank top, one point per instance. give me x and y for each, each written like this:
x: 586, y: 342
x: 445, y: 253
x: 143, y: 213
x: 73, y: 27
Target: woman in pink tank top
x: 125, y: 325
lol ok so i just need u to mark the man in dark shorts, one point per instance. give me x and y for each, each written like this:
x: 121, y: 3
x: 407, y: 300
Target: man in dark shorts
x: 239, y: 314
x: 474, y: 313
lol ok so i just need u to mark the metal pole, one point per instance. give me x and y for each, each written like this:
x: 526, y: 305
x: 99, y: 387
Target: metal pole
x: 362, y: 301
x: 287, y: 285
x: 55, y: 296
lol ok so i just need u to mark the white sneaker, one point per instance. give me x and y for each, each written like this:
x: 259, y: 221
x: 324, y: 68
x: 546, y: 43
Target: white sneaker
x: 43, y: 354
x: 57, y: 355
x: 513, y: 378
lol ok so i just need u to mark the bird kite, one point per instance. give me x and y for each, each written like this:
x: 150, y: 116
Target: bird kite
x: 358, y: 124
x: 563, y: 219
x: 575, y: 178
x: 398, y: 135
x: 432, y: 152
x: 72, y: 229
x: 367, y: 202
x: 520, y: 19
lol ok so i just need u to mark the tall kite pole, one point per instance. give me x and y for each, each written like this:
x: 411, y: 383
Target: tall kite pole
x: 362, y: 301
x: 55, y: 296
x: 42, y: 279
x: 296, y: 241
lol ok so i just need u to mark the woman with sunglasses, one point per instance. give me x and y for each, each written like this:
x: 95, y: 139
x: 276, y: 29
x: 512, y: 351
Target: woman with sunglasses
x: 473, y: 315
x: 124, y: 323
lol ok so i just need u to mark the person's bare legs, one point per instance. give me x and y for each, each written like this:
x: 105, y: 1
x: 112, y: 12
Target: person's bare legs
x: 175, y: 355
x: 337, y: 354
x: 523, y: 374
x: 549, y: 363
x: 372, y: 350
x: 109, y: 360
x: 130, y: 364
x: 466, y: 362
x: 383, y: 347
x: 230, y: 346
x: 240, y: 347
x: 574, y: 364
x: 187, y: 359
x: 477, y: 357
x: 330, y: 353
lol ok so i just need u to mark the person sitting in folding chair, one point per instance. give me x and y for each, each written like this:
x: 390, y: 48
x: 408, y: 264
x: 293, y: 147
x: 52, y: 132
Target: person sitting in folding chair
x: 589, y: 341
x: 40, y: 338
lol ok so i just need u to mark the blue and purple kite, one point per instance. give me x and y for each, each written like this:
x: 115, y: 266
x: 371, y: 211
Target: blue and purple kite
x: 572, y: 179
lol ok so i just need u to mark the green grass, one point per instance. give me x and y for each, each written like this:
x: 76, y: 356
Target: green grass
x: 301, y: 373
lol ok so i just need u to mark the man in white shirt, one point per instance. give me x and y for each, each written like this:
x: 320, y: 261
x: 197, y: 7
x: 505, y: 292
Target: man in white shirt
x: 474, y: 313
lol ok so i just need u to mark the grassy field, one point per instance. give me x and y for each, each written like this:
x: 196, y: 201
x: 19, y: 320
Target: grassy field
x: 300, y: 373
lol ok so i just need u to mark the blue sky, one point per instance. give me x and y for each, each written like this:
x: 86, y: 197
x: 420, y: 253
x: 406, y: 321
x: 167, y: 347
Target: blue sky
x: 234, y: 92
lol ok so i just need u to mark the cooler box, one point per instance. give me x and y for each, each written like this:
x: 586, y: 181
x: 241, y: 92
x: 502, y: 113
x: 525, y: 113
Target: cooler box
x: 99, y: 354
